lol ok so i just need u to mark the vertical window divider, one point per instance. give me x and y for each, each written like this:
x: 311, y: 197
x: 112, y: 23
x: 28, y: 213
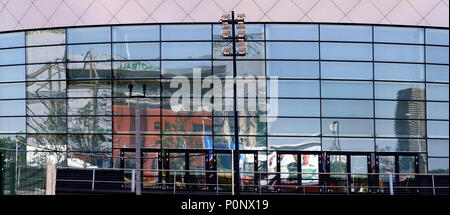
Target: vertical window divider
x: 112, y: 92
x: 373, y: 91
x: 425, y: 96
x: 66, y: 57
x: 320, y: 89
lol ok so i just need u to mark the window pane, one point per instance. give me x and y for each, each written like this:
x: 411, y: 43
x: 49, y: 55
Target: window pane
x: 12, y: 91
x: 46, y: 54
x: 185, y: 68
x: 437, y: 54
x: 347, y: 108
x: 95, y: 52
x: 400, y: 145
x: 183, y: 50
x: 12, y: 56
x: 438, y: 148
x: 437, y: 92
x: 252, y: 126
x: 346, y: 70
x: 438, y: 165
x: 347, y: 127
x: 255, y: 51
x: 400, y: 128
x: 437, y: 73
x: 437, y: 129
x: 356, y: 33
x: 12, y: 124
x: 346, y: 89
x: 50, y: 141
x: 183, y: 142
x: 15, y: 39
x: 135, y: 51
x: 254, y: 31
x: 402, y: 72
x: 12, y: 73
x: 223, y: 68
x: 187, y: 125
x: 224, y: 125
x: 46, y: 37
x: 89, y: 124
x: 129, y: 141
x: 293, y: 88
x: 136, y: 69
x: 51, y: 107
x: 50, y: 71
x: 186, y: 32
x: 437, y: 36
x: 294, y: 143
x: 348, y: 144
x: 399, y: 53
x: 88, y: 35
x: 294, y: 127
x: 89, y: 70
x: 127, y: 106
x: 400, y: 109
x: 89, y: 142
x: 89, y: 89
x: 292, y: 32
x: 127, y: 124
x: 121, y: 88
x: 252, y: 143
x: 293, y: 69
x: 400, y: 91
x: 398, y: 34
x: 135, y: 33
x: 251, y: 68
x: 437, y: 110
x: 46, y: 125
x: 292, y: 50
x: 294, y: 107
x: 345, y: 51
x: 12, y: 108
x: 89, y: 106
x: 50, y: 89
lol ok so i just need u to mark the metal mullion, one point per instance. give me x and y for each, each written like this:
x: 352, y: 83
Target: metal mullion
x: 320, y: 91
x: 373, y: 92
x: 426, y: 98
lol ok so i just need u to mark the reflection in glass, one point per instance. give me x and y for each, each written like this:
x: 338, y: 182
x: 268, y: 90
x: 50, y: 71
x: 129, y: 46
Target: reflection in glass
x: 46, y: 54
x: 436, y: 54
x: 400, y: 145
x: 251, y: 68
x: 437, y: 110
x: 46, y: 37
x: 44, y: 107
x: 12, y: 91
x: 247, y: 167
x: 12, y: 125
x: 252, y: 143
x: 398, y: 34
x: 294, y: 126
x: 12, y: 107
x: 352, y: 51
x: 135, y: 33
x: 386, y: 166
x: 224, y: 125
x: 89, y: 106
x: 129, y: 141
x: 46, y: 125
x: 347, y: 144
x: 438, y: 92
x: 127, y: 106
x: 292, y: 32
x: 338, y: 166
x: 297, y: 88
x: 89, y: 142
x: 184, y: 142
x: 438, y: 148
x: 51, y: 89
x: 400, y: 128
x: 346, y: 70
x: 437, y: 129
x: 136, y: 51
x: 400, y: 91
x: 295, y: 107
x: 88, y: 35
x: 186, y: 125
x: 185, y: 68
x: 54, y: 71
x: 127, y: 125
x: 12, y: 73
x: 288, y: 163
x: 294, y: 143
x: 186, y: 32
x: 347, y: 89
x: 12, y: 56
x: 136, y: 69
x: 82, y: 124
x: 310, y: 171
x: 89, y: 70
x: 89, y: 89
x: 402, y: 72
x: 400, y: 109
x: 121, y: 88
x: 293, y: 69
x: 438, y: 165
x: 347, y: 108
x: 184, y: 50
x: 15, y: 39
x: 436, y: 36
x: 399, y: 53
x: 94, y: 52
x: 406, y: 165
x: 347, y: 127
x: 358, y: 33
x: 292, y: 50
x: 359, y: 169
x: 437, y: 73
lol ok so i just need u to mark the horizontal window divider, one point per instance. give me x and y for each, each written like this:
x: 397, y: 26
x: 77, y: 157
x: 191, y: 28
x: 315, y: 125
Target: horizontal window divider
x: 91, y: 61
x: 14, y: 47
x: 12, y: 82
x: 140, y: 59
x: 136, y: 41
x: 87, y: 43
x: 428, y: 156
x: 186, y: 41
x: 45, y: 45
x: 5, y: 65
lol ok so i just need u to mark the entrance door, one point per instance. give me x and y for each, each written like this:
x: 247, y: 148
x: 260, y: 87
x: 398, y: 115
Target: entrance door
x: 298, y: 172
x: 348, y: 172
x: 403, y: 168
x: 248, y: 165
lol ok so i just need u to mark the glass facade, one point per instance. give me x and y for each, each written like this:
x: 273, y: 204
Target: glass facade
x: 374, y: 91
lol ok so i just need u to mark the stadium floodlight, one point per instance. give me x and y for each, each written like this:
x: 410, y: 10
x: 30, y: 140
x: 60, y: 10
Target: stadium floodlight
x: 242, y: 33
x: 225, y: 18
x: 242, y: 51
x: 226, y: 34
x: 241, y: 26
x: 226, y: 51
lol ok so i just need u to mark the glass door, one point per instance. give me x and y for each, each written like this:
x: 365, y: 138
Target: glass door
x: 359, y: 167
x: 196, y: 176
x: 309, y: 168
x: 224, y: 167
x: 288, y: 169
x: 150, y: 170
x: 338, y: 173
x: 247, y: 168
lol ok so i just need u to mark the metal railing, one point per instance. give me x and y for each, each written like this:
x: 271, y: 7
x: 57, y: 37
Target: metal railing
x: 252, y: 182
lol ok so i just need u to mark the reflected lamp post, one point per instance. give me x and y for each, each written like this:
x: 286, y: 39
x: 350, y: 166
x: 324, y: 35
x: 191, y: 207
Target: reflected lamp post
x: 138, y: 137
x: 229, y: 26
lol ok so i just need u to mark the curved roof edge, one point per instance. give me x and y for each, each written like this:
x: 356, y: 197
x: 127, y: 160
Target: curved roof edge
x: 38, y: 14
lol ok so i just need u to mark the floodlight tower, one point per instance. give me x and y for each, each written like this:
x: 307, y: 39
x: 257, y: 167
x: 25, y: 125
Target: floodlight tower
x: 229, y: 26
